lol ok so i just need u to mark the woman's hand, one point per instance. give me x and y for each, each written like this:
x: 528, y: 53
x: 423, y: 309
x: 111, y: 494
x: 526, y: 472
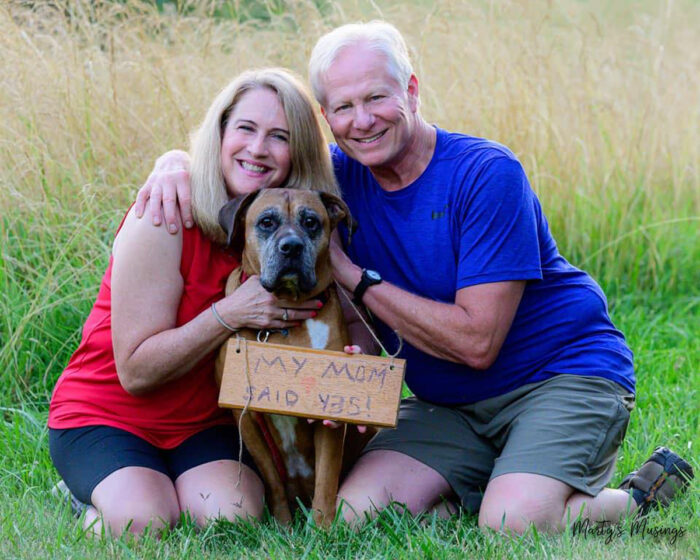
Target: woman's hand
x: 252, y: 306
x: 167, y: 190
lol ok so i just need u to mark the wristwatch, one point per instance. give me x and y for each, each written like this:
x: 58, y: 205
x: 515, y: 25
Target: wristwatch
x: 369, y: 278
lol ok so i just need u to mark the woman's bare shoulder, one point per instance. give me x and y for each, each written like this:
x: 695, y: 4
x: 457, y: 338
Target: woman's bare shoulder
x: 141, y: 233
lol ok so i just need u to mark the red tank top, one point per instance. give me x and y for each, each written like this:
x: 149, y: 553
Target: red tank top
x: 88, y: 393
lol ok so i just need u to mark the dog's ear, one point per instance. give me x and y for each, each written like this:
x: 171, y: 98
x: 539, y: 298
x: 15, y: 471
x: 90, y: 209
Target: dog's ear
x: 338, y: 211
x: 232, y: 220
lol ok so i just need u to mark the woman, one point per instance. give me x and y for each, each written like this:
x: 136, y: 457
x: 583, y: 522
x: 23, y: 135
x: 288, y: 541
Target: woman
x: 135, y: 430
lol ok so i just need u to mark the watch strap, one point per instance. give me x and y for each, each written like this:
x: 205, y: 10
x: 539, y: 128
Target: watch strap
x: 365, y: 282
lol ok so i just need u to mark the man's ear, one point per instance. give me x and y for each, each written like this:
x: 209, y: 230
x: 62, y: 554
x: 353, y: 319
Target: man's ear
x: 338, y: 211
x: 232, y: 220
x: 413, y: 94
x: 323, y: 112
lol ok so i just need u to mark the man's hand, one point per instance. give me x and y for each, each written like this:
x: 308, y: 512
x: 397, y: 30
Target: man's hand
x: 168, y: 190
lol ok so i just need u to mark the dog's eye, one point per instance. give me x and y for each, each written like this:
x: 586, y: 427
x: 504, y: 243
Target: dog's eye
x: 310, y: 223
x: 266, y: 223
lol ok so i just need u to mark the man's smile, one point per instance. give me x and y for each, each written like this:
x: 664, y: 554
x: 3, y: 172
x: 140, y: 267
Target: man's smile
x: 371, y: 139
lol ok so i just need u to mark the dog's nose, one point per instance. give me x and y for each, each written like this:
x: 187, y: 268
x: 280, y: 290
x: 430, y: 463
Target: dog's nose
x: 290, y: 246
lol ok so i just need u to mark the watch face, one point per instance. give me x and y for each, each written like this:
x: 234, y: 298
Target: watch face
x: 373, y: 275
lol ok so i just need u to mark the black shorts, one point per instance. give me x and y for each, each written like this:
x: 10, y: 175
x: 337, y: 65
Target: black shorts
x: 84, y: 457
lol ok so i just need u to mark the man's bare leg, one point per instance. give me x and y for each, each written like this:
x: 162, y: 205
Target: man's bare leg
x: 381, y: 477
x: 513, y: 502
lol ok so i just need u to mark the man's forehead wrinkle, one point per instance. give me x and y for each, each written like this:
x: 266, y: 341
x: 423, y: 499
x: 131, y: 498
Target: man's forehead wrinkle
x: 367, y: 84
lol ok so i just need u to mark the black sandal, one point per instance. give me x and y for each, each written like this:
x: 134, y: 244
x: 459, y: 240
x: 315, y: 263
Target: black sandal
x: 663, y: 476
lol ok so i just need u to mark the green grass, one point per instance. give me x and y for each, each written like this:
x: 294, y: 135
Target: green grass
x: 598, y: 99
x: 663, y: 334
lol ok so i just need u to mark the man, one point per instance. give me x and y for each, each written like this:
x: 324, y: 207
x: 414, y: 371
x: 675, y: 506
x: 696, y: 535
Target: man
x: 523, y: 385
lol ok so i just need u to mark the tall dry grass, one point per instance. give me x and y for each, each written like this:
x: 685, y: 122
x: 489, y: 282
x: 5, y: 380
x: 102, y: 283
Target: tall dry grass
x: 601, y: 101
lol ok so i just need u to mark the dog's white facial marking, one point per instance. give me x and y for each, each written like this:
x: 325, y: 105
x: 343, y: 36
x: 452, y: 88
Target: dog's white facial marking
x: 318, y: 333
x: 296, y: 463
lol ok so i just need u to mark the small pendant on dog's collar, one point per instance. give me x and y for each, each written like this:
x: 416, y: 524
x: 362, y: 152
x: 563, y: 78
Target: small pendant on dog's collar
x: 263, y: 335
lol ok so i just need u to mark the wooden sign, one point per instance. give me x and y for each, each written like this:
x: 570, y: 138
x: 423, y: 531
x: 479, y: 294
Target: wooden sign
x: 355, y: 388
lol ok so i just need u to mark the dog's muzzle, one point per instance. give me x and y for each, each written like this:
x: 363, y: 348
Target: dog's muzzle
x: 290, y: 247
x: 290, y: 267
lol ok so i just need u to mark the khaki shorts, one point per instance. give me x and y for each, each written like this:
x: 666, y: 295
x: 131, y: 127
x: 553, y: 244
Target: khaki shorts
x: 568, y: 427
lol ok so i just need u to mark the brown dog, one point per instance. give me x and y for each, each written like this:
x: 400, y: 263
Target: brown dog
x: 284, y: 236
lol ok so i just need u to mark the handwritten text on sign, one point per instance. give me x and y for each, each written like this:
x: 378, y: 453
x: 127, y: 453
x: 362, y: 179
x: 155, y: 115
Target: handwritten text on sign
x: 358, y: 388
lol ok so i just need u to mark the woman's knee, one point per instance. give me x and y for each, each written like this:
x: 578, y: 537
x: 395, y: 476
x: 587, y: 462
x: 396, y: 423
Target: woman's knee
x: 139, y: 517
x: 135, y: 499
x: 213, y: 491
x: 247, y: 504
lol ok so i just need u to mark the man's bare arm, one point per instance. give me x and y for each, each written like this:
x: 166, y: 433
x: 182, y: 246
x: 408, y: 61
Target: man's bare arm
x: 167, y: 192
x: 470, y: 331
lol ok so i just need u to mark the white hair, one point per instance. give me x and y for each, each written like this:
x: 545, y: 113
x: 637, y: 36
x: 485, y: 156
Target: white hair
x: 376, y: 35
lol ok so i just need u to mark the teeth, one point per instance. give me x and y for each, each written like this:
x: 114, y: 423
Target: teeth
x: 252, y: 167
x: 368, y: 140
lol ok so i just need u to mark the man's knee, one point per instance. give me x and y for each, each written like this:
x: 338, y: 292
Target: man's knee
x: 514, y: 502
x: 357, y: 503
x: 383, y: 477
x: 517, y: 515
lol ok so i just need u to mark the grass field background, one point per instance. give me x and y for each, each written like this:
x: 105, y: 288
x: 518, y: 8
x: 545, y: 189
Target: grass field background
x: 600, y: 101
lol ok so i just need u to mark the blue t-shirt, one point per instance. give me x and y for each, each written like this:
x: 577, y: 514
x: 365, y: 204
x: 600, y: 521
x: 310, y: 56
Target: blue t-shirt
x: 472, y: 218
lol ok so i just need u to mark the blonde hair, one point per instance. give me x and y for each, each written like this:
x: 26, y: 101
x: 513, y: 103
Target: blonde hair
x: 376, y: 35
x: 311, y: 166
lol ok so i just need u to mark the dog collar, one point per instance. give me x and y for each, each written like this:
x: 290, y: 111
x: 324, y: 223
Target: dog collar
x: 324, y: 296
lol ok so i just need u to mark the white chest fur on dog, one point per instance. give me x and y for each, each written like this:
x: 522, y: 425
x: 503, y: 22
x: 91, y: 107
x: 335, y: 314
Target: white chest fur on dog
x: 318, y: 333
x: 295, y: 462
x: 286, y: 425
